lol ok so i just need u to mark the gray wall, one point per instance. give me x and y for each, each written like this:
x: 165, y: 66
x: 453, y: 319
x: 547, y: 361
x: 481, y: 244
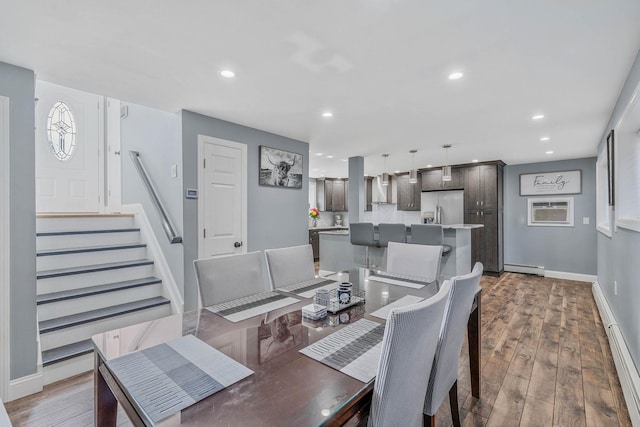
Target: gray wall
x: 567, y: 249
x: 277, y: 217
x: 18, y: 84
x: 618, y: 255
x: 157, y: 136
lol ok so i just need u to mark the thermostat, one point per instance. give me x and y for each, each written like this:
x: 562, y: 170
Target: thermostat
x: 191, y: 193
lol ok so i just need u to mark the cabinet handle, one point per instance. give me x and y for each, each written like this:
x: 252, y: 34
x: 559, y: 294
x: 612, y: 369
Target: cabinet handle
x: 477, y: 213
x: 477, y: 203
x: 481, y: 202
x: 482, y: 213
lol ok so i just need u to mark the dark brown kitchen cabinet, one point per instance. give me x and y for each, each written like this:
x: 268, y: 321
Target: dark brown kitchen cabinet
x: 314, y: 241
x: 432, y: 180
x: 332, y: 195
x: 483, y: 187
x: 408, y: 194
x: 487, y: 242
x: 368, y: 191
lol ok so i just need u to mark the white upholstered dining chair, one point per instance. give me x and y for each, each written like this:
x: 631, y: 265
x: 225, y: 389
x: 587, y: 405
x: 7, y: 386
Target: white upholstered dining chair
x: 408, y: 349
x: 290, y: 265
x: 444, y: 372
x: 414, y: 260
x: 230, y: 277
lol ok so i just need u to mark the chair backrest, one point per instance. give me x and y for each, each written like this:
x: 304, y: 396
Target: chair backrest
x: 445, y: 366
x: 391, y: 233
x: 427, y: 234
x: 406, y: 358
x: 290, y: 265
x: 415, y: 260
x: 361, y: 233
x: 230, y: 277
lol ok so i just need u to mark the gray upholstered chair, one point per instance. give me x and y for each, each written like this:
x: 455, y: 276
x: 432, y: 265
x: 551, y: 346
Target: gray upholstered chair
x: 429, y: 234
x: 361, y: 234
x: 227, y: 278
x: 391, y: 233
x: 444, y: 373
x: 408, y: 348
x: 414, y: 260
x: 290, y: 265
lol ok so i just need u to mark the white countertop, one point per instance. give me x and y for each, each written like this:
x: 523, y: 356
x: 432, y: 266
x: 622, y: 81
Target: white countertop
x: 345, y: 232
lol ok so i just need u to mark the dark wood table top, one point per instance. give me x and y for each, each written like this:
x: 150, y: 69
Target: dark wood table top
x: 287, y: 387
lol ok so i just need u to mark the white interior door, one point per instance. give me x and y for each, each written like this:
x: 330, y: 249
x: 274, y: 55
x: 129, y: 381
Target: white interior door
x: 67, y: 149
x: 222, y: 202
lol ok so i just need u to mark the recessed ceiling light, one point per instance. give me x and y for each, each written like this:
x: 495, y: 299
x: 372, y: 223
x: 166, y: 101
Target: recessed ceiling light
x: 455, y: 76
x: 327, y: 114
x: 537, y: 117
x: 549, y: 152
x: 319, y: 154
x: 344, y: 160
x: 227, y: 73
x: 474, y: 160
x: 329, y: 156
x: 429, y: 166
x: 544, y: 138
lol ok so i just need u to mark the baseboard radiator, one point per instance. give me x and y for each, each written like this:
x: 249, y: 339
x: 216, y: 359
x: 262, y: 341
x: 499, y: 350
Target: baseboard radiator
x: 627, y: 371
x: 526, y: 269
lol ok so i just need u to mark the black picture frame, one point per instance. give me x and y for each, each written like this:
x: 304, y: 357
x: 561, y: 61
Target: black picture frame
x: 280, y: 168
x: 611, y: 167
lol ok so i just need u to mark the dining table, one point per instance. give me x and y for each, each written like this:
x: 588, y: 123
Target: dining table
x: 286, y: 388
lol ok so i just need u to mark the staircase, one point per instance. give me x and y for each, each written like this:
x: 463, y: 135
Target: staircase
x: 93, y: 275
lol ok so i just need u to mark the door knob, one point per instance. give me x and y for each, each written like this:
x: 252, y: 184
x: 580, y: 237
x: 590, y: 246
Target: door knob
x: 237, y: 244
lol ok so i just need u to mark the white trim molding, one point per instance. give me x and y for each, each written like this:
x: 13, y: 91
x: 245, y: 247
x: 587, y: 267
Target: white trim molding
x: 26, y: 386
x: 5, y: 253
x: 570, y: 276
x: 628, y: 223
x: 625, y: 367
x: 160, y: 261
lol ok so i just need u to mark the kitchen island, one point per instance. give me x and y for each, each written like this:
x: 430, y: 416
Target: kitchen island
x: 337, y: 253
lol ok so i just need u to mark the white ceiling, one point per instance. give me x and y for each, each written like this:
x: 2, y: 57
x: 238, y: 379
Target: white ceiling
x: 380, y: 66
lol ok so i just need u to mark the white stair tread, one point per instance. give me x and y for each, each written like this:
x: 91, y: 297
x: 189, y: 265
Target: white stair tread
x: 90, y: 249
x: 91, y: 268
x: 95, y: 290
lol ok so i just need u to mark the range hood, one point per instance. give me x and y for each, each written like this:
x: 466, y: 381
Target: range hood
x: 381, y: 194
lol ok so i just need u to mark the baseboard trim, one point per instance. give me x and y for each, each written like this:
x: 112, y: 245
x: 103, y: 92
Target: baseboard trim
x: 26, y: 386
x: 590, y: 278
x: 625, y: 367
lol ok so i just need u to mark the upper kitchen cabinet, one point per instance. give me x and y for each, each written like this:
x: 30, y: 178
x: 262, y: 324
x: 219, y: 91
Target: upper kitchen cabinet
x: 483, y: 186
x: 432, y: 180
x: 368, y: 191
x: 408, y: 194
x: 332, y: 194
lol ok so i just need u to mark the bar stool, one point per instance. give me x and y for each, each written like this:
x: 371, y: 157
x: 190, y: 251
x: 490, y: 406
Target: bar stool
x: 361, y: 234
x: 429, y: 234
x: 391, y: 233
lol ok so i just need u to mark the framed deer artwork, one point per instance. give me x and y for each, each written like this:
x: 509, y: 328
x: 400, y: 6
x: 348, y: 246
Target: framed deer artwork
x: 279, y: 168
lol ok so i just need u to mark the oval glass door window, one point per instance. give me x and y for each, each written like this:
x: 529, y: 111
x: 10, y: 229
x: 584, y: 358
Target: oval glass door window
x: 61, y: 131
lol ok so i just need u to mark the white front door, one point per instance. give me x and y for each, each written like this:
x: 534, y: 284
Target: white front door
x: 222, y: 202
x: 67, y: 149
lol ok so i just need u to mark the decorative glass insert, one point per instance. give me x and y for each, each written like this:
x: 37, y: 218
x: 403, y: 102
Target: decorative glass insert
x: 61, y: 131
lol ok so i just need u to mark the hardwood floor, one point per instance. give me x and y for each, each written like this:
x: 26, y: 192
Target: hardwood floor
x: 545, y: 362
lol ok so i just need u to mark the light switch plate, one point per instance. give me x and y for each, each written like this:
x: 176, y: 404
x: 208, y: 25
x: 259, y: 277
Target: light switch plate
x: 174, y: 171
x: 585, y: 220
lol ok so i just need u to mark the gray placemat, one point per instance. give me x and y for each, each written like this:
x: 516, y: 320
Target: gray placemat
x: 353, y: 350
x: 169, y: 377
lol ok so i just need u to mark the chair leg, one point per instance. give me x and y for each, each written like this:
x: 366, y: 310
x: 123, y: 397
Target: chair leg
x: 428, y: 420
x: 366, y: 256
x: 453, y: 402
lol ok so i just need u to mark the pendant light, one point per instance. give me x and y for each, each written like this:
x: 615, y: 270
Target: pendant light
x: 413, y: 173
x: 446, y: 170
x: 385, y: 175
